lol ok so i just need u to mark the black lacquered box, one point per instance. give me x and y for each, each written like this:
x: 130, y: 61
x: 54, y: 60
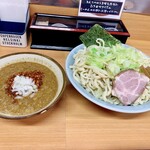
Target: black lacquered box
x: 62, y: 32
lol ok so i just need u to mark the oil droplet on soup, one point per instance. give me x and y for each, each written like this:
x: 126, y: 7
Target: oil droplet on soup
x: 28, y: 104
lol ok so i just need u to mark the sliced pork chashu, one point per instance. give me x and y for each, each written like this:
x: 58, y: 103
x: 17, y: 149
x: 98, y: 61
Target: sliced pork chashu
x: 129, y: 85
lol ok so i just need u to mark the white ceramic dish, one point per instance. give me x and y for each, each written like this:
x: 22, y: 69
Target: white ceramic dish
x: 41, y: 59
x: 124, y: 109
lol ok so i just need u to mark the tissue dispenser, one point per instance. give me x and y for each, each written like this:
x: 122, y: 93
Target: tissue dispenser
x: 13, y: 34
x: 62, y: 32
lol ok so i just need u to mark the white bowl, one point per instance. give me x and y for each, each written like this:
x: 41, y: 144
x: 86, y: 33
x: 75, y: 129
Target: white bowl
x: 124, y: 109
x: 41, y: 59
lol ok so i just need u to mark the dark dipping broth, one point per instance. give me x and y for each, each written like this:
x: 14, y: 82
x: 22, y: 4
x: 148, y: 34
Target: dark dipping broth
x: 27, y: 105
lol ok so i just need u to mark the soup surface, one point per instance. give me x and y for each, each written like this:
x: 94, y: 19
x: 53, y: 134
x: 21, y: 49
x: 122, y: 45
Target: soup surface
x: 46, y: 83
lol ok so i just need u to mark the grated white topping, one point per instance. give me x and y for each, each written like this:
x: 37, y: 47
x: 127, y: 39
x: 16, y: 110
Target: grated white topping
x: 24, y: 86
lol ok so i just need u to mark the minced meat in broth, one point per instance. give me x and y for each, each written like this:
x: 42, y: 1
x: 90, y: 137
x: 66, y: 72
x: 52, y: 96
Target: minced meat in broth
x: 26, y: 105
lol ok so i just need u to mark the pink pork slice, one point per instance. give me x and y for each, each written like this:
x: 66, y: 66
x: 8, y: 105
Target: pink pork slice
x: 129, y: 85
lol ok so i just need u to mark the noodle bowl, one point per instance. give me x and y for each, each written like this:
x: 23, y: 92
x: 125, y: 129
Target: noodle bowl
x: 98, y: 81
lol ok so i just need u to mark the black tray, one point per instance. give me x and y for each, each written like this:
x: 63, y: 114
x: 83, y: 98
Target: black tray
x: 62, y: 32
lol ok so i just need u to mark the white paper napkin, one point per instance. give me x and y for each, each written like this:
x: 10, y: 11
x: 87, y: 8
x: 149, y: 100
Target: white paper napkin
x: 13, y: 10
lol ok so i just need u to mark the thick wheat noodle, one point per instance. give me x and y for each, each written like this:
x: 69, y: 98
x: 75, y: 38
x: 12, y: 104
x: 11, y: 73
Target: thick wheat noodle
x: 97, y: 81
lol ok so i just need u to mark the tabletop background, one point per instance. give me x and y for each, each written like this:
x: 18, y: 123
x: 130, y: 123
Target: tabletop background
x: 75, y: 123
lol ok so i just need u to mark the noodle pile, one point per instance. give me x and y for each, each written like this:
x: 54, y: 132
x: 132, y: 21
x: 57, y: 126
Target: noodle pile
x: 99, y: 81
